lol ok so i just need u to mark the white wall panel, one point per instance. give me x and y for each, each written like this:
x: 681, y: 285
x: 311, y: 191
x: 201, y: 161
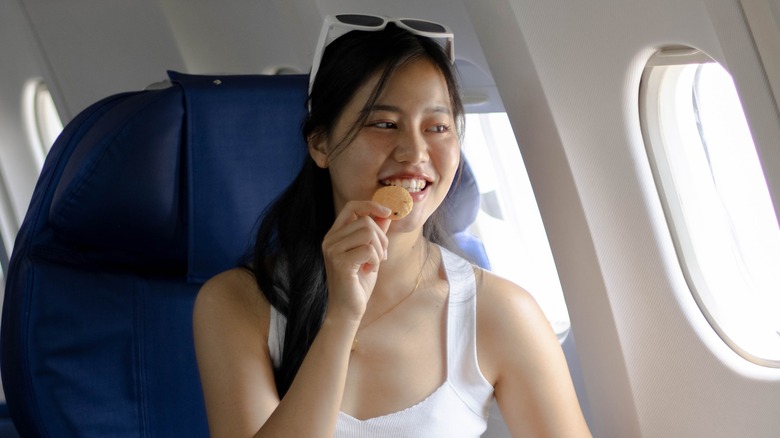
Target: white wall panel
x: 569, y: 74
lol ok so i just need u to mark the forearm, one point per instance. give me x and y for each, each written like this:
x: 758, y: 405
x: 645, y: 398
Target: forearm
x: 311, y: 405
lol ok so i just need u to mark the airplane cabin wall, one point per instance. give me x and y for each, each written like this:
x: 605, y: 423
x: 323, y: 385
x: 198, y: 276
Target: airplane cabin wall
x: 22, y: 62
x: 122, y: 46
x: 83, y: 51
x: 98, y: 48
x: 242, y: 37
x: 569, y: 75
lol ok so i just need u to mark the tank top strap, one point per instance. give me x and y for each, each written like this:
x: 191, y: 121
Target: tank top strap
x: 276, y: 330
x: 463, y: 371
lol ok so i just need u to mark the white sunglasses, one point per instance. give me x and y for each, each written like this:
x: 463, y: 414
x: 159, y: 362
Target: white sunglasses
x: 337, y: 25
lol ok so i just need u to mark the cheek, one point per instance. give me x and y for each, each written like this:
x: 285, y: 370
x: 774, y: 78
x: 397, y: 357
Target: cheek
x: 449, y: 159
x: 353, y: 172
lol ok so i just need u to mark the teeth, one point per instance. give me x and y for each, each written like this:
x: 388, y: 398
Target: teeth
x: 412, y: 185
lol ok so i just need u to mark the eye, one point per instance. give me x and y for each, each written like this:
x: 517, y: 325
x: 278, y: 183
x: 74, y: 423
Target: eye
x: 439, y: 128
x: 383, y: 125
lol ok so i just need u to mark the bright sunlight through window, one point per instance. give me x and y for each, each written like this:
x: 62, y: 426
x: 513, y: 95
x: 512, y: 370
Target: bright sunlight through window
x: 716, y: 199
x: 509, y: 223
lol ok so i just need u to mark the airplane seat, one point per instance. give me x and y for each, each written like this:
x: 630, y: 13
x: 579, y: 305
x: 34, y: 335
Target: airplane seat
x: 7, y: 429
x: 463, y: 204
x: 143, y: 197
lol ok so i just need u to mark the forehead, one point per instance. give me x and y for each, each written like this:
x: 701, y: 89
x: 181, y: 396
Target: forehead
x: 414, y: 85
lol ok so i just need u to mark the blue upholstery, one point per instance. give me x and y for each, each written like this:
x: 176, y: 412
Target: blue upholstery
x: 7, y: 429
x: 143, y: 197
x: 463, y: 204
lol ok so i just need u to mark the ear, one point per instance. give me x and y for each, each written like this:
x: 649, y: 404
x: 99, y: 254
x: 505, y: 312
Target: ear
x: 318, y: 149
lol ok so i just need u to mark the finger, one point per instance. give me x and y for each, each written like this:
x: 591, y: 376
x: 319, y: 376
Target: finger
x: 364, y: 232
x: 356, y: 209
x: 381, y: 211
x: 376, y: 225
x: 358, y: 264
x: 383, y: 223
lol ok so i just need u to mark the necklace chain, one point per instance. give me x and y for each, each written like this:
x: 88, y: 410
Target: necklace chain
x: 416, y: 286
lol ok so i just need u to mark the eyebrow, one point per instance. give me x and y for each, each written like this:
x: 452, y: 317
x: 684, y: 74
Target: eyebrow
x: 436, y: 109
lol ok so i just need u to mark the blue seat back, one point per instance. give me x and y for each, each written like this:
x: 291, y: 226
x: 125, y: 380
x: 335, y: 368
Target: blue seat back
x: 143, y: 197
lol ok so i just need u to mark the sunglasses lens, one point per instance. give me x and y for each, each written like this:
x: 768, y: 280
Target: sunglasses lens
x: 360, y: 20
x: 425, y: 26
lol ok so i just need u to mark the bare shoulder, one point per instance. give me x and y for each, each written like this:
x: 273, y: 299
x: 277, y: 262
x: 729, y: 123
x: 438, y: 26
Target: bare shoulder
x: 230, y: 327
x: 507, y: 314
x: 520, y: 355
x: 504, y: 306
x: 495, y: 290
x: 234, y: 288
x: 231, y: 297
x: 234, y: 283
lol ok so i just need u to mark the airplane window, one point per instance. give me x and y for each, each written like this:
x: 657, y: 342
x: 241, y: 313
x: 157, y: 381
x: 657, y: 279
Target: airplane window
x: 41, y: 117
x: 509, y: 223
x: 716, y: 199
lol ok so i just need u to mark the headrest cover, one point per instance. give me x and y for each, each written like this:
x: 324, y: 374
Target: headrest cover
x: 119, y: 191
x: 463, y: 200
x: 178, y: 177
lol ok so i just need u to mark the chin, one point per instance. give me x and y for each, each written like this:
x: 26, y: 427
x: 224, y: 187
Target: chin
x: 408, y: 224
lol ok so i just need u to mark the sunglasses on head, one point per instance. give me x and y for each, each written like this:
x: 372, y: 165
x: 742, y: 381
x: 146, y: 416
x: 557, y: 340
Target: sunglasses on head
x: 337, y: 25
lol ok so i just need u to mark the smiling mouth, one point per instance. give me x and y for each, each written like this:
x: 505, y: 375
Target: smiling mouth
x: 412, y: 185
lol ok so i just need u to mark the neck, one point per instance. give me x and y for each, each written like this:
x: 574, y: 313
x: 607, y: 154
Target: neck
x: 402, y: 246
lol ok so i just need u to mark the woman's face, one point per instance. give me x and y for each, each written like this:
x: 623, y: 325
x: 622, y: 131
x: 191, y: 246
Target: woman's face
x: 409, y: 139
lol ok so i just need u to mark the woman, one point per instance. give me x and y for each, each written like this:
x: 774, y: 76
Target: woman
x: 351, y: 324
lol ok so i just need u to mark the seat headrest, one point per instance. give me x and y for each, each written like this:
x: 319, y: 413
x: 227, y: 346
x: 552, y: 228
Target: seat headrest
x: 177, y: 177
x: 463, y: 200
x: 118, y: 195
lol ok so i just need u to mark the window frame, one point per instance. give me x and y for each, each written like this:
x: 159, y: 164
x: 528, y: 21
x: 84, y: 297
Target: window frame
x: 42, y: 121
x: 662, y: 69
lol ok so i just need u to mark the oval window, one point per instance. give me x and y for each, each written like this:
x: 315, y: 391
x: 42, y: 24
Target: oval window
x: 716, y: 199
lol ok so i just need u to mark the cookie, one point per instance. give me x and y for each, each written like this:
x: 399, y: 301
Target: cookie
x: 396, y: 199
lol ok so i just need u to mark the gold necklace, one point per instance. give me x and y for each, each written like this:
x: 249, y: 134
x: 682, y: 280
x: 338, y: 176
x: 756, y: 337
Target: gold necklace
x: 417, y: 285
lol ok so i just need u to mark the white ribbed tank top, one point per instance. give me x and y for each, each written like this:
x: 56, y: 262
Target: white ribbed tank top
x: 459, y: 407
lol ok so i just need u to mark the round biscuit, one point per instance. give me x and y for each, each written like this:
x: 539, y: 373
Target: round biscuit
x: 396, y: 199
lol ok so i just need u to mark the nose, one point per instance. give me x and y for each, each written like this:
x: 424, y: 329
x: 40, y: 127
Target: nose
x: 411, y: 148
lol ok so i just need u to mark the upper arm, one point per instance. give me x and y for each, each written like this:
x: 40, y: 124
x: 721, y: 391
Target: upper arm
x: 230, y: 327
x: 520, y: 353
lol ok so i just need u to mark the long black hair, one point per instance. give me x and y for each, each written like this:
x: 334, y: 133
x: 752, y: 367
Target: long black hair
x: 288, y: 262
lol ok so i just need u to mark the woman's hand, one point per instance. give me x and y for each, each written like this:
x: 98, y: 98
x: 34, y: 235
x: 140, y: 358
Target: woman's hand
x: 353, y: 249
